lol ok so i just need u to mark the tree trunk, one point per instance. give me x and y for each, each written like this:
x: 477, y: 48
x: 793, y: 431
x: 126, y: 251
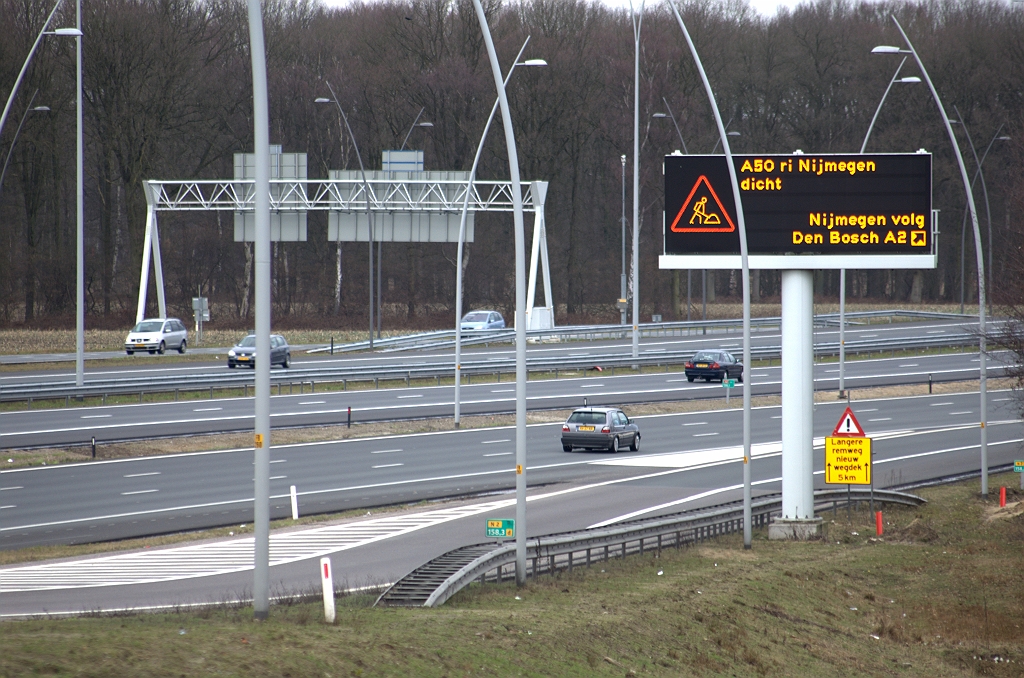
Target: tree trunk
x: 244, y: 311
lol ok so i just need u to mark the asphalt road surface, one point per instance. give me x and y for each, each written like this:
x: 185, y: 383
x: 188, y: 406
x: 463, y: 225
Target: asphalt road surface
x: 685, y: 461
x: 76, y: 426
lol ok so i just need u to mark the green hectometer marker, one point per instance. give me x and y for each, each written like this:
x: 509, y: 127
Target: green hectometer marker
x: 501, y: 528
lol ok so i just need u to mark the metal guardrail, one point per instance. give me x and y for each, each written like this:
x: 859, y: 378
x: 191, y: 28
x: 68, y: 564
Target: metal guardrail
x: 436, y: 370
x: 438, y: 580
x: 446, y: 338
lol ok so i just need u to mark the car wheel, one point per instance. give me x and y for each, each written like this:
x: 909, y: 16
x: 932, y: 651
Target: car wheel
x: 566, y: 448
x: 287, y: 359
x: 635, y: 445
x: 162, y: 348
x: 689, y: 379
x: 739, y: 379
x: 184, y: 345
x: 129, y: 352
x: 152, y: 351
x: 614, y: 447
x: 231, y: 366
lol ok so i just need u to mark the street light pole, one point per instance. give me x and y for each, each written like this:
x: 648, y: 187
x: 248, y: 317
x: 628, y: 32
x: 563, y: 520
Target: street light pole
x: 462, y: 230
x: 415, y: 123
x: 980, y: 255
x: 638, y: 20
x: 622, y: 278
x: 261, y: 214
x: 963, y: 226
x: 79, y: 207
x: 520, y: 250
x: 842, y: 272
x: 674, y: 123
x: 745, y: 263
x: 366, y: 188
x: 17, y: 132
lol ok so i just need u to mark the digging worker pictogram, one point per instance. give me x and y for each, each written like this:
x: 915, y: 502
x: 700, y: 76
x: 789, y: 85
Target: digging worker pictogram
x: 701, y: 215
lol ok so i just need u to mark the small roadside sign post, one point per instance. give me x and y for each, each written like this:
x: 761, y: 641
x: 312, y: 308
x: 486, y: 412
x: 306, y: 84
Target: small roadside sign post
x: 848, y: 456
x: 501, y: 528
x: 728, y: 385
x: 1018, y: 467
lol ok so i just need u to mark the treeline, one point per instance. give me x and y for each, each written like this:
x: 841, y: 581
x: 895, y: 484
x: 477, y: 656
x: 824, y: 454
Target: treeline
x: 168, y: 96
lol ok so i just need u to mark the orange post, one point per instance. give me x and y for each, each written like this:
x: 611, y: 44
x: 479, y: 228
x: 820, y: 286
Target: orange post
x: 878, y: 523
x: 1002, y: 497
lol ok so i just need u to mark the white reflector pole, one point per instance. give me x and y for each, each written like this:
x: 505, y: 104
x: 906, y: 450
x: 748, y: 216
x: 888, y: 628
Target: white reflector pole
x: 327, y: 577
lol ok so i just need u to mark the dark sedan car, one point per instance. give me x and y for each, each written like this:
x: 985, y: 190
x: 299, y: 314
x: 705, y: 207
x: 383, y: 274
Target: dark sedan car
x: 601, y: 428
x: 708, y: 365
x: 244, y: 353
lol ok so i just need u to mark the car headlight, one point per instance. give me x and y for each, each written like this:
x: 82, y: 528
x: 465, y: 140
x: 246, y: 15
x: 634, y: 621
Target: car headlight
x: 231, y: 353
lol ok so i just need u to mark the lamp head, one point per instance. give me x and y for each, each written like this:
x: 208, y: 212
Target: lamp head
x: 46, y: 109
x: 659, y: 115
x: 885, y: 49
x: 623, y: 160
x: 534, y: 62
x: 732, y: 134
x: 909, y: 79
x: 68, y: 32
x: 322, y: 100
x: 424, y: 124
x: 1003, y: 138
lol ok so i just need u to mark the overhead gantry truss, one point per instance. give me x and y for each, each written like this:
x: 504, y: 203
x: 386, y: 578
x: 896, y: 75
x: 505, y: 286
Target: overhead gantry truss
x: 398, y: 195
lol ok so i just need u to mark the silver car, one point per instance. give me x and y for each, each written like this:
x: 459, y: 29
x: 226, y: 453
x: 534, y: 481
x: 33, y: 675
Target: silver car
x: 156, y: 335
x: 483, y: 320
x: 600, y: 428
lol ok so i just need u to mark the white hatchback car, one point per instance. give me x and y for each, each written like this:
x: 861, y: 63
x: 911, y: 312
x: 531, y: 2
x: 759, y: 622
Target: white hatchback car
x: 156, y: 335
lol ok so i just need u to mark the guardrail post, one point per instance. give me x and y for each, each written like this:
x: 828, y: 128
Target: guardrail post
x: 344, y: 384
x: 211, y: 391
x: 376, y: 383
x: 349, y: 424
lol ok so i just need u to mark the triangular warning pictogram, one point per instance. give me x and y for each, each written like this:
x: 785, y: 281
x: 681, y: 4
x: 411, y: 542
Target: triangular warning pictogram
x: 698, y: 216
x: 848, y: 426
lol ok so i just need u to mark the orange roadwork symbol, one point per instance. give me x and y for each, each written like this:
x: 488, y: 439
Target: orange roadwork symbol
x: 703, y: 215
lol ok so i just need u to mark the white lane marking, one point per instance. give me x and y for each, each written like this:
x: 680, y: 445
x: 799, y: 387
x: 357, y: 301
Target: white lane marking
x: 872, y: 409
x: 964, y: 412
x: 386, y: 465
x: 504, y: 390
x: 704, y: 435
x: 997, y: 400
x: 208, y: 409
x: 277, y: 461
x: 910, y: 365
x: 867, y: 336
x: 654, y: 350
x: 491, y: 442
x: 410, y: 396
x: 13, y: 487
x: 139, y: 475
x: 935, y: 332
x: 278, y: 477
x: 314, y: 402
x: 881, y: 419
x: 591, y: 385
x: 940, y: 404
x: 776, y: 416
x: 96, y: 416
x: 696, y: 423
x: 385, y: 451
x: 9, y: 506
x: 139, y: 492
x: 498, y: 454
x: 672, y: 381
x: 827, y: 371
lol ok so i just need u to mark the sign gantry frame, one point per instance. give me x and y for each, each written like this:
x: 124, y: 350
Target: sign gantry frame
x: 342, y: 195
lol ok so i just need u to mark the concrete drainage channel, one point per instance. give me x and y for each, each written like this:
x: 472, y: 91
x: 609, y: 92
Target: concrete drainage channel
x: 436, y: 581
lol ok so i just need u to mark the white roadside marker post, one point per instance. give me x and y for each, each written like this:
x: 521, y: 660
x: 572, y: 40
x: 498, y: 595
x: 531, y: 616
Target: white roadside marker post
x: 327, y: 578
x: 295, y: 504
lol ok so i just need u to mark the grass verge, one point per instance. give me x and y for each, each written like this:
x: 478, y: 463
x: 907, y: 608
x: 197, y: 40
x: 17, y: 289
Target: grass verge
x: 937, y: 595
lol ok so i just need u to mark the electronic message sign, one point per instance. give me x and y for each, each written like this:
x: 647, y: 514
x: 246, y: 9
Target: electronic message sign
x: 801, y: 211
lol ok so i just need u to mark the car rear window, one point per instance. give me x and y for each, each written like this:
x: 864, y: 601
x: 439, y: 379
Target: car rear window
x: 586, y: 418
x: 706, y: 355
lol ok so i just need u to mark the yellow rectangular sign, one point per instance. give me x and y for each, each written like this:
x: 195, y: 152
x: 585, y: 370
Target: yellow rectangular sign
x: 848, y: 460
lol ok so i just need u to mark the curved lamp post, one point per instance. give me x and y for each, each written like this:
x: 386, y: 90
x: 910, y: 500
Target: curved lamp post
x: 10, y: 151
x: 520, y: 250
x: 462, y: 229
x: 366, y: 188
x: 979, y: 253
x: 638, y: 19
x: 742, y: 228
x: 415, y: 123
x: 674, y: 123
x: 842, y: 272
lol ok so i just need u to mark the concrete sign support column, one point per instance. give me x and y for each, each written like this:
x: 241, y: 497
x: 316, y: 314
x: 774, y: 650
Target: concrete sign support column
x: 797, y: 519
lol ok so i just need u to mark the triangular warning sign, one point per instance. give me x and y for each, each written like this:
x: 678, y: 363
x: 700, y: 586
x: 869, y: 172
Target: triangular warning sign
x: 702, y: 211
x: 848, y: 426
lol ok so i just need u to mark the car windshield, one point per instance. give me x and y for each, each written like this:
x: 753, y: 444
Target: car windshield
x: 248, y: 342
x: 475, y: 317
x: 706, y: 355
x: 149, y: 326
x: 586, y: 418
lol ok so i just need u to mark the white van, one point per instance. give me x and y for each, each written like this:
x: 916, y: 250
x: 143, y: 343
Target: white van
x: 156, y: 335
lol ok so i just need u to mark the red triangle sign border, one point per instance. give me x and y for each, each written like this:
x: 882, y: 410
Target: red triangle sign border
x: 676, y: 228
x: 858, y: 430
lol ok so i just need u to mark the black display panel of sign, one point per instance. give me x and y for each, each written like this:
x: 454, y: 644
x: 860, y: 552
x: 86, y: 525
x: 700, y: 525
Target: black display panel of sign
x: 816, y: 204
